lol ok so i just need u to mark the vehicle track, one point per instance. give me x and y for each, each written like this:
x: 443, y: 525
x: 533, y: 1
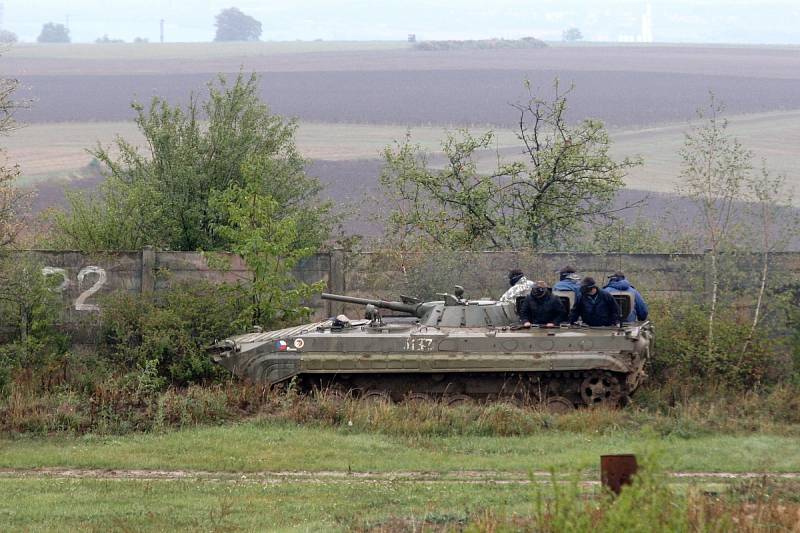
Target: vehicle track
x: 462, y: 476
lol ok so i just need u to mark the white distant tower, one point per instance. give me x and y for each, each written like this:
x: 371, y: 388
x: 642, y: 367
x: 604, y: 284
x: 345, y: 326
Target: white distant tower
x: 647, y: 25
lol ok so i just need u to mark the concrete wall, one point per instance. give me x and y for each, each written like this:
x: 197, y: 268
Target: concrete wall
x: 484, y: 274
x: 87, y: 277
x: 487, y: 271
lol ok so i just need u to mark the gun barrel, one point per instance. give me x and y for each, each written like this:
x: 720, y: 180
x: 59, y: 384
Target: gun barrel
x: 412, y: 309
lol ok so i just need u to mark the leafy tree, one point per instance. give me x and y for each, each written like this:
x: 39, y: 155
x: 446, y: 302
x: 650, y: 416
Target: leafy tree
x: 8, y: 37
x: 572, y: 35
x: 29, y: 311
x: 636, y: 235
x: 233, y: 25
x: 27, y: 302
x: 267, y: 241
x: 567, y: 179
x: 13, y: 201
x: 162, y: 197
x: 54, y: 33
x: 775, y: 223
x: 715, y: 170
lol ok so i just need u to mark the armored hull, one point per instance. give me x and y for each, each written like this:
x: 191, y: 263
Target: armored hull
x: 454, y: 350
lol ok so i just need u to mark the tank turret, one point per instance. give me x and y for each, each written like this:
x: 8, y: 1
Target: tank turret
x: 452, y: 311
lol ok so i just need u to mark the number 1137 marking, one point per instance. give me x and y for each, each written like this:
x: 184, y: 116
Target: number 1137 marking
x: 419, y: 344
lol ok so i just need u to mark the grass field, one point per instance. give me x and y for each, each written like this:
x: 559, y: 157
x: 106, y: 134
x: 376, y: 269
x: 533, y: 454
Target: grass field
x: 44, y: 503
x: 58, y: 150
x: 56, y: 505
x: 262, y: 446
x: 275, y: 476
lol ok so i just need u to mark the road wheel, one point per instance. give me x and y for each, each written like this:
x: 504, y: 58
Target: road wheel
x: 377, y: 397
x: 516, y: 400
x: 601, y: 389
x: 558, y: 405
x: 418, y: 398
x: 456, y: 400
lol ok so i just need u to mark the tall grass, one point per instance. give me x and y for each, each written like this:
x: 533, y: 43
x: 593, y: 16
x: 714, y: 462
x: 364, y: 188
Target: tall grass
x: 120, y: 405
x: 774, y: 412
x: 651, y: 504
x: 130, y: 404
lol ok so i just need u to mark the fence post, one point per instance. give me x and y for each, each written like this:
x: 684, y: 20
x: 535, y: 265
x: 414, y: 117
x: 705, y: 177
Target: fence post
x: 148, y: 272
x: 336, y: 280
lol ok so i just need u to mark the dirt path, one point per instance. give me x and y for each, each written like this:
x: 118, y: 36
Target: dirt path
x: 462, y: 476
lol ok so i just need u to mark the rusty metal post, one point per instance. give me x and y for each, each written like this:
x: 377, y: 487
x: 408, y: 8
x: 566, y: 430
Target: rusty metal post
x: 617, y: 470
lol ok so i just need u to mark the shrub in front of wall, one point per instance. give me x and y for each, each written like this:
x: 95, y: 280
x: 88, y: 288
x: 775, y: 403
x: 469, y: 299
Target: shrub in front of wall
x: 172, y: 332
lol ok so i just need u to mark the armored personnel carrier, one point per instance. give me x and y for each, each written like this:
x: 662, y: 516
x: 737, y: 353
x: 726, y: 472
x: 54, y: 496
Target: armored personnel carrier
x: 454, y: 350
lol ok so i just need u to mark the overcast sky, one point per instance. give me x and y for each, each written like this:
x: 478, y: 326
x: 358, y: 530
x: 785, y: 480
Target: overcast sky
x: 713, y: 21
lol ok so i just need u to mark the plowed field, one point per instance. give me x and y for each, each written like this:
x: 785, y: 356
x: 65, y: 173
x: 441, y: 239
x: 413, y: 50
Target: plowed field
x: 620, y: 99
x: 624, y: 85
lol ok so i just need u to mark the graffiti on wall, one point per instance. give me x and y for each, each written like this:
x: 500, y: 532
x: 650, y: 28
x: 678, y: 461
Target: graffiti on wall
x: 85, y: 275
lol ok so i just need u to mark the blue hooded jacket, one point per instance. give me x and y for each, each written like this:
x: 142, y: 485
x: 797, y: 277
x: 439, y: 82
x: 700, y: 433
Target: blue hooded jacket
x: 639, y: 312
x: 568, y: 285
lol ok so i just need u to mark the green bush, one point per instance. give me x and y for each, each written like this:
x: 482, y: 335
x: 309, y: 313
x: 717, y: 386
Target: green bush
x: 682, y: 350
x: 160, y: 192
x: 789, y: 303
x: 29, y: 314
x: 171, y: 334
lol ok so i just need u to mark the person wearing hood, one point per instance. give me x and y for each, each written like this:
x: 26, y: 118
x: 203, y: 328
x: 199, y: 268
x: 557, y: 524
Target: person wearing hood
x: 568, y: 280
x: 519, y: 286
x: 542, y: 307
x: 595, y: 307
x: 618, y: 283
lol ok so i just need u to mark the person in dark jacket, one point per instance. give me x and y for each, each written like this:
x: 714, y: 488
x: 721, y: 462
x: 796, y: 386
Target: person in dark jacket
x: 595, y: 307
x: 617, y: 282
x: 541, y: 307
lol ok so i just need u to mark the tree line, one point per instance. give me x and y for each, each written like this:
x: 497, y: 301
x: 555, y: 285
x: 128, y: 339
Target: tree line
x: 231, y: 24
